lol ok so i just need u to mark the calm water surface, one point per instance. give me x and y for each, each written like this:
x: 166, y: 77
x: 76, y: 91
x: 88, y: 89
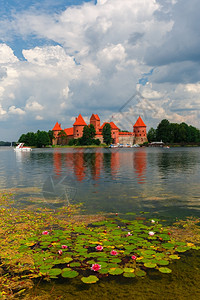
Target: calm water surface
x: 158, y: 180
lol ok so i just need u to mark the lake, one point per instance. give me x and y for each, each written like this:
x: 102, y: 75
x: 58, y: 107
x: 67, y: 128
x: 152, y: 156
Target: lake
x: 156, y: 180
x: 162, y: 182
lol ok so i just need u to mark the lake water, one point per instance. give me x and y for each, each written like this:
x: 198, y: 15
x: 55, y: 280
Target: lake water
x: 157, y: 180
x: 163, y: 182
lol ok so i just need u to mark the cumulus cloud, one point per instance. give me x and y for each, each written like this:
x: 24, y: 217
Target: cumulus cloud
x: 15, y: 111
x: 93, y: 57
x: 32, y: 105
x: 6, y: 55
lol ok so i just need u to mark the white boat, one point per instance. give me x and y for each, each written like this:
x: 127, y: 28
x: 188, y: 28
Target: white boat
x: 21, y: 147
x: 135, y: 146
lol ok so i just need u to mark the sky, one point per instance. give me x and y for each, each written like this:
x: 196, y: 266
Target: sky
x: 116, y: 58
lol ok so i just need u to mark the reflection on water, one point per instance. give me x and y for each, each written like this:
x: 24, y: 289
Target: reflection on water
x: 156, y: 180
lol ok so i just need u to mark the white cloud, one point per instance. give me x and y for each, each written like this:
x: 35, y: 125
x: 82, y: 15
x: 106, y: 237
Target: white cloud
x: 16, y: 111
x: 104, y: 50
x: 39, y: 118
x: 6, y: 55
x: 2, y: 111
x: 32, y: 105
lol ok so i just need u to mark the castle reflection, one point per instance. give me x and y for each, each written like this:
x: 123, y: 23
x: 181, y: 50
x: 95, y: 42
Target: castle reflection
x: 90, y: 165
x: 140, y: 165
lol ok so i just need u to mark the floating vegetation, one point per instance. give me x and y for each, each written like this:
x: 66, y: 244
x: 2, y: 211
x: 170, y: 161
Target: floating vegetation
x: 51, y: 245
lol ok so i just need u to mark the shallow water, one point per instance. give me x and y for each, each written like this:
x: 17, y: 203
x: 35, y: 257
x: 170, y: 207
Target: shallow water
x: 181, y: 284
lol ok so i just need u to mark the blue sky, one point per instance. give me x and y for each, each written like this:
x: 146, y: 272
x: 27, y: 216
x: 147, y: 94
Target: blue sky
x: 61, y: 58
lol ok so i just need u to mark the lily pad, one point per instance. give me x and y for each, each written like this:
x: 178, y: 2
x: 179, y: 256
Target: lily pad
x: 174, y: 256
x: 150, y: 265
x: 104, y: 271
x: 140, y: 273
x: 67, y: 259
x: 75, y: 264
x: 69, y: 274
x: 115, y: 271
x: 165, y: 270
x: 54, y: 272
x: 129, y: 274
x: 163, y: 262
x: 90, y: 279
x: 128, y: 270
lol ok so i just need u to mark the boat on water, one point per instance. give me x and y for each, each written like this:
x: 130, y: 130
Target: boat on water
x: 124, y: 146
x: 21, y: 147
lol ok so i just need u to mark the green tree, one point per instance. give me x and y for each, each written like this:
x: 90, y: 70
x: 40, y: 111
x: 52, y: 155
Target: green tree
x: 62, y: 134
x: 163, y: 131
x: 151, y: 135
x: 51, y: 135
x: 89, y: 133
x: 107, y: 138
x: 42, y: 139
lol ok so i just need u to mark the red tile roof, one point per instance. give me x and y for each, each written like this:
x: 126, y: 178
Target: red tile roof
x: 98, y: 133
x: 113, y: 126
x: 69, y: 131
x: 80, y: 121
x: 57, y: 127
x: 139, y: 123
x: 95, y: 116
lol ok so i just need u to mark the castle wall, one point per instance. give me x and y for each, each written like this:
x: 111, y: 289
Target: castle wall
x: 78, y: 131
x: 126, y: 139
x: 100, y: 137
x: 140, y: 135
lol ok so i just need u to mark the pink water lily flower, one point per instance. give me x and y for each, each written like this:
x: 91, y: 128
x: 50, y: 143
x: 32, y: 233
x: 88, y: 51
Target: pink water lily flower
x: 151, y: 233
x: 45, y: 232
x: 152, y: 221
x: 128, y: 234
x: 99, y: 248
x: 96, y: 267
x: 133, y: 257
x: 60, y: 252
x: 114, y: 252
x: 64, y: 247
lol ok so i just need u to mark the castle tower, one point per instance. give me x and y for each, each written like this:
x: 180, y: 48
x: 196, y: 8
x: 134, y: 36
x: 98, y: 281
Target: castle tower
x: 57, y: 128
x: 139, y: 130
x: 78, y: 127
x: 95, y: 120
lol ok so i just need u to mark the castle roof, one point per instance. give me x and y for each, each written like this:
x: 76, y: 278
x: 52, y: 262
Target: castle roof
x: 69, y: 131
x: 80, y: 121
x: 139, y: 123
x: 113, y: 126
x: 57, y: 127
x: 95, y: 116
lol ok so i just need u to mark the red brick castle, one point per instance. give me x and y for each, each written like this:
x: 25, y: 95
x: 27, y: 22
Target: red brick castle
x: 138, y: 136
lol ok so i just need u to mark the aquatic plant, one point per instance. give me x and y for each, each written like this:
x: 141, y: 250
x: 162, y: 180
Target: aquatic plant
x: 50, y: 245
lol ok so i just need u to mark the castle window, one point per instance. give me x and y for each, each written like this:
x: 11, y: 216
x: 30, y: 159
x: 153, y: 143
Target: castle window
x: 76, y: 130
x: 138, y: 131
x: 77, y: 133
x: 140, y: 134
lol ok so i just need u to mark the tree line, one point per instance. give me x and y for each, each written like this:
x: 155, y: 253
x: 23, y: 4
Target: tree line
x: 39, y: 139
x: 174, y: 133
x: 43, y: 138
